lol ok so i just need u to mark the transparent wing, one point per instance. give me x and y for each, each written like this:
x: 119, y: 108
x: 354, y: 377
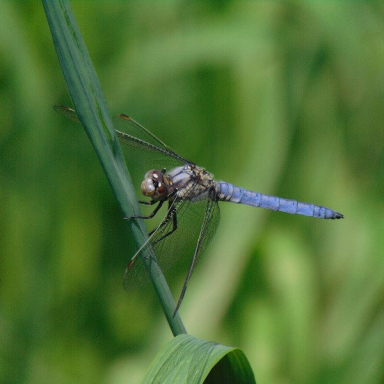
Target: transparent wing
x: 69, y: 113
x: 207, y: 231
x: 196, y: 225
x: 132, y: 133
x: 127, y: 125
x: 142, y: 149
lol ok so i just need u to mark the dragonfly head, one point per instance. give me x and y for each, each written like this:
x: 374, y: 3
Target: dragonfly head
x: 154, y: 186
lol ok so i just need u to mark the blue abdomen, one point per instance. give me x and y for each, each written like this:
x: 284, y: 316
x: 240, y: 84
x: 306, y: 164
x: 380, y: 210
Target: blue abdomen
x: 228, y: 192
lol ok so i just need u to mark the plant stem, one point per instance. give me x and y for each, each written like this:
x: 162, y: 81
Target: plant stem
x: 91, y: 107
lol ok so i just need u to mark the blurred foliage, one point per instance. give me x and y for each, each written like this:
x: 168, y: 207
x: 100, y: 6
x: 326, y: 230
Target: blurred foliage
x: 284, y: 98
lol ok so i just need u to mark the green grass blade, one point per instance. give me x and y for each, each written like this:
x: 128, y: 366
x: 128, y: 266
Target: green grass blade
x: 187, y: 359
x: 91, y: 107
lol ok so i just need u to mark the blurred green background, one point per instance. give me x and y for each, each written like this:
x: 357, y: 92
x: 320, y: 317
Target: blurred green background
x: 284, y: 98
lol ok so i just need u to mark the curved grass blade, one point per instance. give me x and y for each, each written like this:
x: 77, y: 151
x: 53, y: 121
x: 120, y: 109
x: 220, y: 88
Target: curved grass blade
x: 187, y: 359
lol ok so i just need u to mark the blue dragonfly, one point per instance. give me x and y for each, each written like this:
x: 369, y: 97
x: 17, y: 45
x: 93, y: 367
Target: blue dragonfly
x: 191, y: 195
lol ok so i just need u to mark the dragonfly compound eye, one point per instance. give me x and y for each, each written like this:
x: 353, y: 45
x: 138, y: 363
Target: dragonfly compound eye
x: 156, y: 175
x: 161, y: 188
x: 154, y: 186
x: 147, y: 187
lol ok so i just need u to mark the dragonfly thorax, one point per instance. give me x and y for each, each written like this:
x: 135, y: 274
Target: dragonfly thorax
x: 189, y: 182
x: 154, y: 186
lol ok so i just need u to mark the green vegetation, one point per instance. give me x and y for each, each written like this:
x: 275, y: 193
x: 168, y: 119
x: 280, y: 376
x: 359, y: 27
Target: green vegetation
x: 282, y: 98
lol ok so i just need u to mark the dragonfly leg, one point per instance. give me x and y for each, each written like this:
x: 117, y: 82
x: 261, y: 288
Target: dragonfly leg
x: 152, y: 214
x: 151, y: 202
x: 170, y: 211
x: 171, y: 215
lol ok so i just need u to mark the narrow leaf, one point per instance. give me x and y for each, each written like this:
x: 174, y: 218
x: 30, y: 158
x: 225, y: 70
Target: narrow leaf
x: 91, y: 108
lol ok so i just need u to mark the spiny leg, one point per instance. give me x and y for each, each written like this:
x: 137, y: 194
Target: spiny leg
x: 150, y: 202
x: 164, y: 222
x: 171, y: 215
x: 152, y: 214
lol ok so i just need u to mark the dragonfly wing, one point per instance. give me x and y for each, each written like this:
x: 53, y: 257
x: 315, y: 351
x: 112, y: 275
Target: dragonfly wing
x: 69, y: 113
x: 207, y: 232
x: 146, y: 156
x: 191, y: 218
x: 132, y: 133
x: 141, y: 148
x: 155, y: 153
x: 126, y: 124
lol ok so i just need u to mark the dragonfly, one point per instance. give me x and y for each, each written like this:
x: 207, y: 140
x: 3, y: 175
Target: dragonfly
x: 191, y: 196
